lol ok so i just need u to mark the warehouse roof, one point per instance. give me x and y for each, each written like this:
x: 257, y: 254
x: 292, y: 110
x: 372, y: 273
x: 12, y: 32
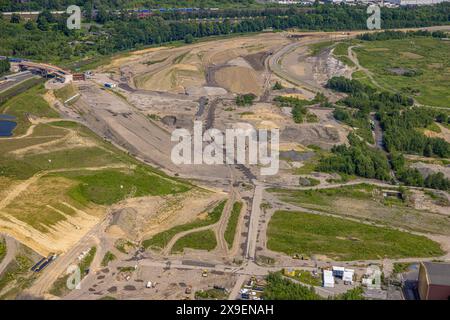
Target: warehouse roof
x: 438, y: 273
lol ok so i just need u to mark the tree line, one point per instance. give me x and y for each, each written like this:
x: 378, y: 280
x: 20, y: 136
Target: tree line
x: 413, y: 177
x: 390, y: 35
x: 116, y: 32
x: 357, y: 159
x: 31, y: 5
x: 401, y: 124
x: 4, y: 66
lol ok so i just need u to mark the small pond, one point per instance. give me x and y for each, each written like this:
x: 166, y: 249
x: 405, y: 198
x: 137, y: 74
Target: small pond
x: 6, y: 125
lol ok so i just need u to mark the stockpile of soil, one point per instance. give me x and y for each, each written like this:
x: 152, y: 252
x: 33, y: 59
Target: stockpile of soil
x: 239, y: 80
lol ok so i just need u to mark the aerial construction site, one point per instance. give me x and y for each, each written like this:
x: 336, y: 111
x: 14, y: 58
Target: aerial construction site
x: 91, y: 182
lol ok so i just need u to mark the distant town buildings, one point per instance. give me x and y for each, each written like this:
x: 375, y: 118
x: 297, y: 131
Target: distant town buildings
x: 390, y: 2
x: 380, y: 2
x: 415, y: 2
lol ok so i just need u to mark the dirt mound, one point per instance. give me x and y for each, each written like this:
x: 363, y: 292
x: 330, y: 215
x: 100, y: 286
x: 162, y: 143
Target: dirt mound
x: 324, y: 136
x: 206, y: 91
x: 169, y: 120
x: 239, y: 80
x: 239, y: 62
x: 293, y: 146
x: 256, y: 60
x: 426, y: 169
x: 264, y: 116
x: 140, y: 218
x: 125, y: 220
x: 444, y: 133
x: 175, y: 78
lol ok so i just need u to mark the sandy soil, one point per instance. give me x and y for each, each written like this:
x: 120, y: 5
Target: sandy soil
x: 444, y: 134
x: 178, y: 70
x: 423, y: 202
x: 264, y: 115
x: 46, y: 196
x: 428, y: 168
x: 144, y: 217
x: 239, y: 80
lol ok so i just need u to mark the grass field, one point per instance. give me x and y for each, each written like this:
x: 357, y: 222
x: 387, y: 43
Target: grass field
x: 310, y: 234
x: 306, y: 277
x: 28, y: 102
x: 202, y: 240
x: 230, y: 231
x: 427, y: 56
x: 19, y: 88
x: 310, y: 164
x: 107, y: 258
x: 160, y: 240
x: 74, y: 185
x: 2, y: 249
x: 279, y: 288
x: 361, y: 76
x: 211, y: 294
x: 107, y: 187
x: 341, y: 53
x: 124, y: 246
x: 81, y: 173
x: 16, y: 277
x: 318, y: 47
x: 66, y: 93
x: 85, y: 263
x: 366, y: 202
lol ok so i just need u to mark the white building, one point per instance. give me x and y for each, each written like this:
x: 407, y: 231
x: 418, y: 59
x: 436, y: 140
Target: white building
x: 348, y: 276
x: 287, y: 2
x: 328, y: 279
x: 345, y: 274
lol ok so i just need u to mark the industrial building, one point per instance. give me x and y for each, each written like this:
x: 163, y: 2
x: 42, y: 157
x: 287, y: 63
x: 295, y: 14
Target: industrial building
x: 434, y: 281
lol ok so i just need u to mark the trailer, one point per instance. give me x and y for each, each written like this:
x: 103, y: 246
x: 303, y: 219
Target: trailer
x: 38, y: 264
x: 46, y: 262
x: 110, y: 85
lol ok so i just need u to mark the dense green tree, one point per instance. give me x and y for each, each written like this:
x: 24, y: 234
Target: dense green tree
x: 4, y: 66
x: 279, y: 288
x: 188, y: 38
x: 30, y: 25
x: 15, y: 18
x: 357, y: 159
x: 277, y: 86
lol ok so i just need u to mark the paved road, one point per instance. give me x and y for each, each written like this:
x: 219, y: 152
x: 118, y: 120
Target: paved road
x: 15, y: 80
x: 60, y: 265
x: 250, y: 251
x: 275, y: 65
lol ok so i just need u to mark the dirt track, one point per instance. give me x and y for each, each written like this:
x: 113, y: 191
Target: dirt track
x: 113, y: 118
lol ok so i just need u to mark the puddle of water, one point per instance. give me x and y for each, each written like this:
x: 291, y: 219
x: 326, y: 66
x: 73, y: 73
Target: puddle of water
x: 6, y: 128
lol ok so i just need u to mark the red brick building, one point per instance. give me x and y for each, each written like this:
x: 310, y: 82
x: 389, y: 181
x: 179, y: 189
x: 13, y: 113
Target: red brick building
x: 434, y: 281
